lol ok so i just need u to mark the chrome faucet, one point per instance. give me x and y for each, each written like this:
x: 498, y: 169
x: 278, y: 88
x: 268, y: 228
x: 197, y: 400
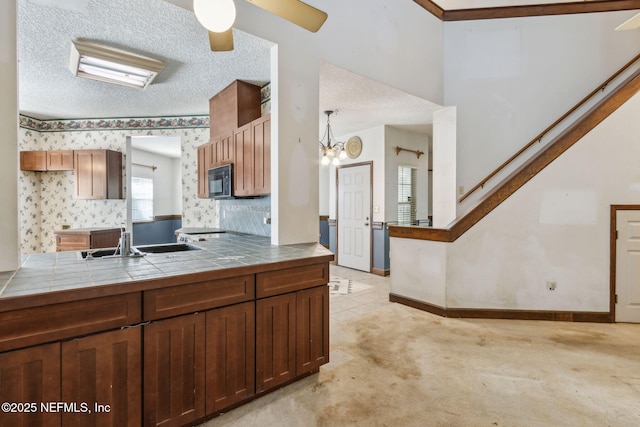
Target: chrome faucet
x: 125, y: 242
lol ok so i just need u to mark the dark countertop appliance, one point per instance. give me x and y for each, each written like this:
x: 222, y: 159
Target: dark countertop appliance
x: 221, y: 182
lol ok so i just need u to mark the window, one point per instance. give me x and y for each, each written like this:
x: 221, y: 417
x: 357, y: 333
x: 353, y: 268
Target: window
x: 406, y: 195
x: 141, y: 199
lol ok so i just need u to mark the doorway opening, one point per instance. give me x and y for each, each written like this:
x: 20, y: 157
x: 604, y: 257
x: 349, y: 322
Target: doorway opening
x: 154, y: 188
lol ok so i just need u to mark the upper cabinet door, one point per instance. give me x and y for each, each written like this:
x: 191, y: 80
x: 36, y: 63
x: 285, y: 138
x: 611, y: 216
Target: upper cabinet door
x: 33, y: 161
x: 261, y: 150
x: 60, y: 160
x: 242, y: 162
x: 98, y: 174
x: 233, y: 107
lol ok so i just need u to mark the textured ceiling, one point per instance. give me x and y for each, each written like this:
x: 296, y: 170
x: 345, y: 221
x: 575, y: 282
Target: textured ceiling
x: 168, y: 30
x: 47, y: 89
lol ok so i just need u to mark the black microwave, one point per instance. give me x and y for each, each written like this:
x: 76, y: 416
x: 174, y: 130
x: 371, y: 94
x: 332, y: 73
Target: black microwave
x: 221, y: 182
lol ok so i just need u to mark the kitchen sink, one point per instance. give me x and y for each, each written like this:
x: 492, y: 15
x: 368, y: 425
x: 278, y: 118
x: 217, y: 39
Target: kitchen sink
x: 163, y: 249
x: 107, y: 253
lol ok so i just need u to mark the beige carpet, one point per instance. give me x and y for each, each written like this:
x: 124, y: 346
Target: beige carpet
x: 398, y: 366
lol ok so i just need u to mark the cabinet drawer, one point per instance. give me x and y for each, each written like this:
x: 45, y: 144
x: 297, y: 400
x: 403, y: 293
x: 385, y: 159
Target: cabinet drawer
x: 198, y: 296
x: 36, y: 325
x: 73, y: 241
x: 291, y: 279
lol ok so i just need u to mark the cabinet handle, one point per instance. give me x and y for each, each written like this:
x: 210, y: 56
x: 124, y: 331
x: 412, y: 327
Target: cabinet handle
x: 136, y: 326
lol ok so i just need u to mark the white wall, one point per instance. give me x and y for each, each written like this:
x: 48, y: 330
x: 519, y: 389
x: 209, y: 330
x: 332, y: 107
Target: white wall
x: 395, y: 137
x: 9, y: 252
x: 396, y: 43
x: 167, y: 181
x: 372, y: 151
x: 511, y: 78
x: 556, y: 227
x: 378, y: 147
x: 444, y: 201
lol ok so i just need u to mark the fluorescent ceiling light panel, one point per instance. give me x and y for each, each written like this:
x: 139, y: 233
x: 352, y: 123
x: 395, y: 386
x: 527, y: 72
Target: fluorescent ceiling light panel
x: 107, y: 64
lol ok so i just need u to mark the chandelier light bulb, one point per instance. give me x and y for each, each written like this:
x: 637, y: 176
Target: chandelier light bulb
x: 343, y: 154
x: 325, y: 160
x: 335, y: 161
x: 215, y: 15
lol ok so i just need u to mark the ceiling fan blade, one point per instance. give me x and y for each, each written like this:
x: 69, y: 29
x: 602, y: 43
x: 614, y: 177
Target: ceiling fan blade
x: 630, y: 24
x: 301, y: 14
x: 221, y: 42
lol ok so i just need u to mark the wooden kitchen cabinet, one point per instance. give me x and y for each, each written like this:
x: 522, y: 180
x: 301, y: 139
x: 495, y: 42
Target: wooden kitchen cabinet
x: 242, y: 168
x: 174, y: 366
x: 204, y: 155
x: 225, y: 150
x: 252, y: 158
x: 30, y: 375
x: 233, y: 107
x: 86, y: 238
x: 292, y: 323
x: 104, y: 371
x: 208, y: 342
x: 312, y: 329
x: 60, y: 160
x: 275, y: 341
x: 261, y: 156
x: 230, y: 356
x: 33, y: 161
x: 98, y: 174
x: 292, y: 336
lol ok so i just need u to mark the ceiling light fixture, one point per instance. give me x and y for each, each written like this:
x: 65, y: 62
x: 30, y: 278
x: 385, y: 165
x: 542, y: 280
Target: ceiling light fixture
x: 215, y: 15
x: 331, y: 149
x: 107, y: 64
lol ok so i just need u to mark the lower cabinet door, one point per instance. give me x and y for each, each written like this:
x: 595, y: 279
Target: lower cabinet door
x: 30, y: 377
x: 174, y: 370
x: 312, y: 329
x: 101, y: 377
x: 230, y: 355
x: 275, y: 341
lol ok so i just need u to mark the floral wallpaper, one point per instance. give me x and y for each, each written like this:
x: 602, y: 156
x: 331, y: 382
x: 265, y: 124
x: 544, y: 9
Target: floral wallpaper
x: 46, y: 201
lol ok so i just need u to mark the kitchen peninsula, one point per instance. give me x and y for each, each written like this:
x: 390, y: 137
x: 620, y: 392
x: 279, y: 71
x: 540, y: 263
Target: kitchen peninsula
x: 170, y: 338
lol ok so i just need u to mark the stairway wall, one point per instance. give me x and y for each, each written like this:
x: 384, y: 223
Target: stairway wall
x: 556, y: 227
x: 511, y: 78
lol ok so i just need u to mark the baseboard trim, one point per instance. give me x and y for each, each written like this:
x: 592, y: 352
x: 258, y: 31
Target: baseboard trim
x: 381, y: 272
x: 481, y: 313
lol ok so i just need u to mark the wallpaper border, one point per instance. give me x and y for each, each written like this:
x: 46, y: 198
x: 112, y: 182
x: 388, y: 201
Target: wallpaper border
x: 140, y: 123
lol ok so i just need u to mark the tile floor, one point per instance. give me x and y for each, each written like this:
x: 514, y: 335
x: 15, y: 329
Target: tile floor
x: 391, y: 365
x: 361, y: 299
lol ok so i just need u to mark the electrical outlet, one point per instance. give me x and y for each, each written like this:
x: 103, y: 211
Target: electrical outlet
x: 551, y: 285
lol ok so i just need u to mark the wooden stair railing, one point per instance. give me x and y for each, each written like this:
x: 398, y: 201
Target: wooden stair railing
x: 528, y: 169
x: 539, y: 137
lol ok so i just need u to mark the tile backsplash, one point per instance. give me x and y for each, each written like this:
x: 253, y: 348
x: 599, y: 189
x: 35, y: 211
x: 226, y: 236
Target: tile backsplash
x: 246, y: 215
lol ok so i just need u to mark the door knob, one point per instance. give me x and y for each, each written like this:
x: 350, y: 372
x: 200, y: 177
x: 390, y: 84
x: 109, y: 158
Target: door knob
x: 366, y: 224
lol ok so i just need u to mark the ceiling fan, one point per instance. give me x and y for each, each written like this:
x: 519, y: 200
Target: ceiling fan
x: 630, y: 24
x: 217, y: 16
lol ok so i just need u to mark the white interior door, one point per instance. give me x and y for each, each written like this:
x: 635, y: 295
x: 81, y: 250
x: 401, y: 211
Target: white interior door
x: 354, y: 217
x: 628, y: 266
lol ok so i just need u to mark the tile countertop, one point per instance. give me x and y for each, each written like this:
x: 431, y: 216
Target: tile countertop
x: 63, y: 271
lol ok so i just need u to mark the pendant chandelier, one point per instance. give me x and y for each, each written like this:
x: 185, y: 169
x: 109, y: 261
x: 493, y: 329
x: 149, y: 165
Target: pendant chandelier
x: 332, y: 150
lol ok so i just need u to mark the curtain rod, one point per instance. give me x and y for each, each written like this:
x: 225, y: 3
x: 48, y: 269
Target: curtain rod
x: 154, y: 167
